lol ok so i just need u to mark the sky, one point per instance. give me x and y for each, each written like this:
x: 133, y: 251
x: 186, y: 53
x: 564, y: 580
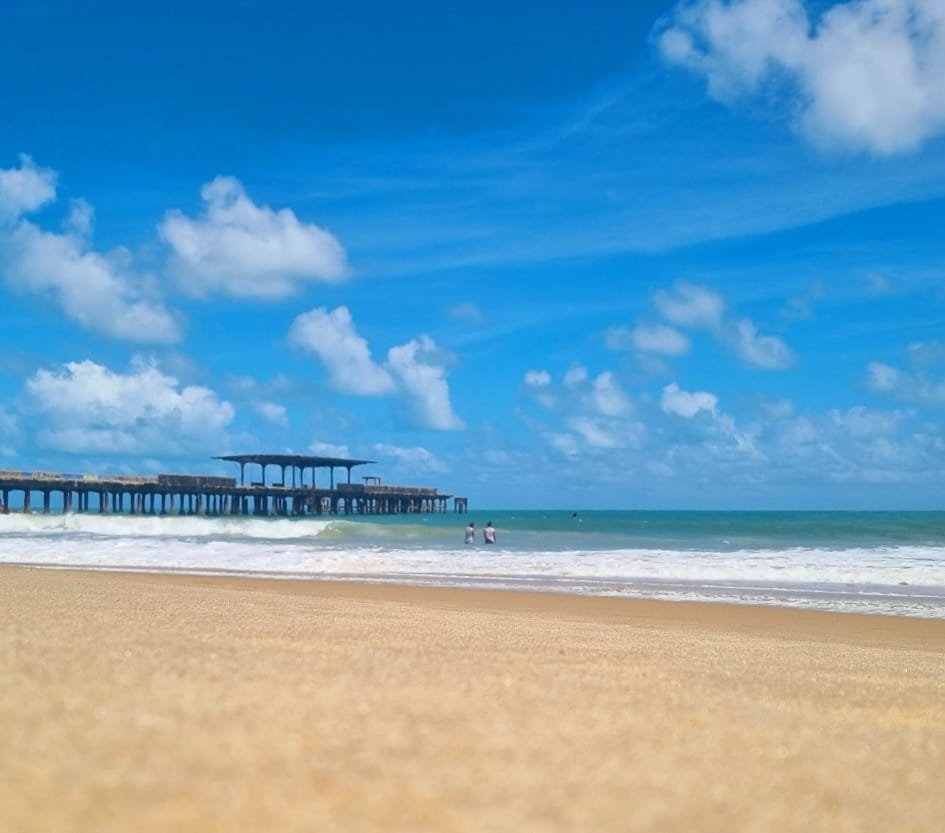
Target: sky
x: 613, y: 255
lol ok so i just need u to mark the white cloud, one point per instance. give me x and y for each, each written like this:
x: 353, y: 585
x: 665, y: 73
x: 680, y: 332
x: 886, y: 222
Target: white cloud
x: 98, y: 291
x: 858, y: 445
x: 651, y: 338
x: 415, y: 457
x: 537, y: 378
x: 418, y: 374
x: 597, y: 414
x: 882, y: 378
x: 595, y: 433
x: 329, y: 450
x: 685, y: 404
x: 273, y: 413
x: 905, y: 385
x: 242, y: 249
x: 84, y: 407
x: 413, y: 370
x: 24, y: 189
x: 608, y: 397
x: 863, y: 422
x: 102, y: 292
x: 866, y: 75
x: 575, y: 375
x: 688, y: 305
x: 760, y: 351
x: 566, y: 444
x: 410, y: 459
x: 331, y: 337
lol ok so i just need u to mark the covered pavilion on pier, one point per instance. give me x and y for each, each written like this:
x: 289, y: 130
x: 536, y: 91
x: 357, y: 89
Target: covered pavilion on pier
x: 298, y: 463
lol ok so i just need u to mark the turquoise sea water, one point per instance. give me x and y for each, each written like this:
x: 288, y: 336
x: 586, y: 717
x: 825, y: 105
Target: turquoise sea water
x: 880, y: 562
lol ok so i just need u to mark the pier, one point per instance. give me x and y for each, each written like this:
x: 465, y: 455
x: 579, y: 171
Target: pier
x: 186, y: 494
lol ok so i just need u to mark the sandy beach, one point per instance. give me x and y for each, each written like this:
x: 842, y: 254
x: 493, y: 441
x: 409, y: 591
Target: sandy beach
x: 134, y: 702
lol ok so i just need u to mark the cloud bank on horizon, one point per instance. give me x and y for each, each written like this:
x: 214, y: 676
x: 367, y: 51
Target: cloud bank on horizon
x: 802, y: 366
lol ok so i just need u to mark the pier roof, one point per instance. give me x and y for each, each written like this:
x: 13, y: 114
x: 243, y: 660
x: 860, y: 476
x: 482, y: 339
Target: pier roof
x: 299, y: 460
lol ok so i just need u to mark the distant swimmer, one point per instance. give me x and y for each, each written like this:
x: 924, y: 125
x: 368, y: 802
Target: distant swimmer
x: 471, y: 533
x: 488, y: 534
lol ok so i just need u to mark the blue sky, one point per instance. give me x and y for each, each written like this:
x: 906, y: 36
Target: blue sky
x: 598, y: 255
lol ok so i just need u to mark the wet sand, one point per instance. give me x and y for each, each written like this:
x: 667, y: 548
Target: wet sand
x: 167, y: 703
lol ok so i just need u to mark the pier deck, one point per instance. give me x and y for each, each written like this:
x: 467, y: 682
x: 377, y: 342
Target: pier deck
x: 181, y: 494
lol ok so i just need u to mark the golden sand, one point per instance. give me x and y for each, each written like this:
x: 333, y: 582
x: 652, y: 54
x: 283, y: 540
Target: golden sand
x: 160, y: 703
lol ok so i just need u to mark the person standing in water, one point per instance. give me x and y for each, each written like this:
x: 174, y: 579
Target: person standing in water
x: 471, y: 533
x: 488, y: 534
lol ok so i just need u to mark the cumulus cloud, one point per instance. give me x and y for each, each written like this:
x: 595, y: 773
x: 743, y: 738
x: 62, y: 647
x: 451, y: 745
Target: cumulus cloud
x: 332, y: 338
x: 866, y: 75
x: 24, y: 189
x: 414, y: 370
x: 99, y: 291
x: 689, y: 305
x: 697, y: 307
x: 760, y: 351
x: 608, y: 397
x: 239, y: 248
x: 102, y: 292
x: 685, y: 404
x: 84, y: 407
x: 596, y: 412
x: 649, y: 338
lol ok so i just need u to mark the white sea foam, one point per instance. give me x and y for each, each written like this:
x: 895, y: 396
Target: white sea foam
x: 167, y: 526
x: 908, y: 580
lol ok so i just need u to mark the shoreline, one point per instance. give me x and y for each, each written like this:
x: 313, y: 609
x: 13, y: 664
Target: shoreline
x: 155, y: 701
x: 498, y: 584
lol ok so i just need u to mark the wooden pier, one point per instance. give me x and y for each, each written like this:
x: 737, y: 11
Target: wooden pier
x: 183, y: 494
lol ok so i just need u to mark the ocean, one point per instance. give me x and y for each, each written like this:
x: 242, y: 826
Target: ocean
x: 890, y: 563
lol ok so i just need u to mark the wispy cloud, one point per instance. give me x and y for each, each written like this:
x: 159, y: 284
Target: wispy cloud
x: 905, y: 385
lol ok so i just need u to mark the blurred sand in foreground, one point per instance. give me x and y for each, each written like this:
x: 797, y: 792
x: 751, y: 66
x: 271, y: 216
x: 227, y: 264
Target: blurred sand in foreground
x: 168, y: 703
